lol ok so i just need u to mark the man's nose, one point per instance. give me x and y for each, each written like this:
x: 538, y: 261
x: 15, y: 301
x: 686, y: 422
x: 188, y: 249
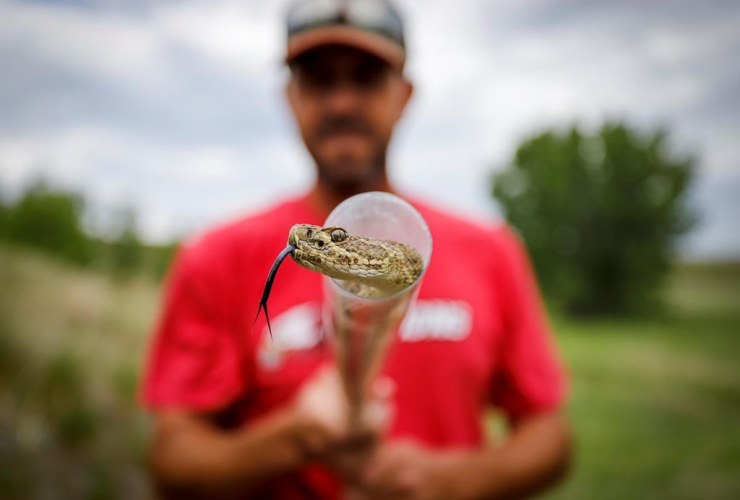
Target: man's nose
x: 342, y: 98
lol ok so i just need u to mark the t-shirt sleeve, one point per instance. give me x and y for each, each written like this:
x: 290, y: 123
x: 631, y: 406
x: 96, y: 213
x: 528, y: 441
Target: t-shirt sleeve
x: 194, y: 356
x: 531, y: 378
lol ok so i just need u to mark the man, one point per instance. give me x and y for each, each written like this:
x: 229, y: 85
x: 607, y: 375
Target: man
x: 238, y: 414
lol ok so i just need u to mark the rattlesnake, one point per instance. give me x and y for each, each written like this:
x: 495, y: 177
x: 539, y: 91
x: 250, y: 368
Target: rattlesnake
x: 367, y: 267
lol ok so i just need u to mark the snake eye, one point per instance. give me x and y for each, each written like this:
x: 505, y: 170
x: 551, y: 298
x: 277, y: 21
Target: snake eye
x: 338, y: 235
x: 309, y: 233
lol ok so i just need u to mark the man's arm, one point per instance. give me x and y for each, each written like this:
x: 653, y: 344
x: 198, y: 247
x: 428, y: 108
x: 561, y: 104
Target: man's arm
x: 534, y: 457
x: 191, y: 457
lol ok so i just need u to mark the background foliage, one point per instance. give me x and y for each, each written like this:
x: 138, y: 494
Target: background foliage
x: 600, y: 214
x: 52, y: 221
x: 48, y: 220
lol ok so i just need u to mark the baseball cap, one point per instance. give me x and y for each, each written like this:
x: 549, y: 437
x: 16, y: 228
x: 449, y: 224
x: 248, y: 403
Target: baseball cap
x: 373, y: 26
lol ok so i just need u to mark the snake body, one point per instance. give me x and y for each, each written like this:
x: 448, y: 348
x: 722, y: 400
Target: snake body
x: 368, y: 267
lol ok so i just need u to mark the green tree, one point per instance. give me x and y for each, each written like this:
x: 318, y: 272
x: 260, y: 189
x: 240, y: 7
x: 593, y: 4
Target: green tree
x: 161, y: 257
x: 126, y: 250
x: 49, y: 220
x: 3, y: 218
x: 600, y: 214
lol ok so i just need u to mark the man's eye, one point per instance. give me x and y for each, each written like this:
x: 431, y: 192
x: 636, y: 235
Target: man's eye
x: 318, y: 80
x: 369, y: 78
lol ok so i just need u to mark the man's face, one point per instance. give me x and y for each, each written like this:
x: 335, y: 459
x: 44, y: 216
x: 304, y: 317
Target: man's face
x: 346, y: 103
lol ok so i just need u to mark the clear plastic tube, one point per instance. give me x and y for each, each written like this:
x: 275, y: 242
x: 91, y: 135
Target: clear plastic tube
x: 361, y: 328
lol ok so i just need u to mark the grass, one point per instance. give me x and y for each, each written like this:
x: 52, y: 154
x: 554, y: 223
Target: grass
x: 655, y: 402
x: 71, y: 343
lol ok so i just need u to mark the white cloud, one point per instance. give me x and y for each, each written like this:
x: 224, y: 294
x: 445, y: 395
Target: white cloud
x: 236, y: 35
x: 138, y: 51
x: 177, y: 187
x: 486, y: 74
x: 481, y: 92
x: 93, y: 44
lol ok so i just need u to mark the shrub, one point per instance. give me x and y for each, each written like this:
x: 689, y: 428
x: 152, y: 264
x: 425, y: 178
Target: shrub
x: 600, y: 214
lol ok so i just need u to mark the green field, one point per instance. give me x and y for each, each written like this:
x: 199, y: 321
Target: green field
x: 655, y: 402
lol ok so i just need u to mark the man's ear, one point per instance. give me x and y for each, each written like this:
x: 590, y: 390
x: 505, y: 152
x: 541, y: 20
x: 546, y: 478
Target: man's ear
x: 404, y: 96
x: 290, y: 92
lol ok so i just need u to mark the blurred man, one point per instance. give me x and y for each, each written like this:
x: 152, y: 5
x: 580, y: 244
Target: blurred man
x: 241, y: 415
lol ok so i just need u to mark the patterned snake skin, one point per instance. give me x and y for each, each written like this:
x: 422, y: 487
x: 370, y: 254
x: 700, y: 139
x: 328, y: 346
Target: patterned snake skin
x: 369, y: 267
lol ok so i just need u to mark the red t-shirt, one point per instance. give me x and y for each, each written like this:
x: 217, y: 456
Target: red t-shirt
x: 477, y: 335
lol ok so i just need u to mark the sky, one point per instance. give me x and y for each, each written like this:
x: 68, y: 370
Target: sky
x: 176, y: 108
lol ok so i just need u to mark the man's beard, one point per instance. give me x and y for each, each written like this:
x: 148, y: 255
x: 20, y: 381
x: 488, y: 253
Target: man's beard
x: 348, y: 175
x: 343, y: 176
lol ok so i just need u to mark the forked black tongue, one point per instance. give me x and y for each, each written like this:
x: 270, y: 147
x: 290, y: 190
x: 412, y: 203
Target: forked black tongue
x: 268, y: 285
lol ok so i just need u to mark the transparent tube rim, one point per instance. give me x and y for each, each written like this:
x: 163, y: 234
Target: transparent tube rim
x: 425, y: 229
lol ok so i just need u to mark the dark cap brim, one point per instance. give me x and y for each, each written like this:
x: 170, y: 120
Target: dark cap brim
x: 367, y: 41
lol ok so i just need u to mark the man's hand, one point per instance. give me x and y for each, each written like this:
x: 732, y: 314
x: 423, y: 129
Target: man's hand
x: 192, y: 456
x: 321, y: 412
x: 534, y: 457
x: 406, y: 470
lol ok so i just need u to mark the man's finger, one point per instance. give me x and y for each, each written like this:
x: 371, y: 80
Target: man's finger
x: 378, y: 412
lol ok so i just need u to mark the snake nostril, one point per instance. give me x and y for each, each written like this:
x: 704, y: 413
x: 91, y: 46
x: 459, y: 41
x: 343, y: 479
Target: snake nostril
x: 320, y: 244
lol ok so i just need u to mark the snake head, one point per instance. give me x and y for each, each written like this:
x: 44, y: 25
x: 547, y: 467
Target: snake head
x: 317, y: 248
x: 386, y: 266
x: 316, y: 238
x: 335, y: 253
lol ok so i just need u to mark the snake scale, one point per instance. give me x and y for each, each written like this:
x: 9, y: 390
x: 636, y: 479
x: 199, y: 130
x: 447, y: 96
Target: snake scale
x: 367, y: 267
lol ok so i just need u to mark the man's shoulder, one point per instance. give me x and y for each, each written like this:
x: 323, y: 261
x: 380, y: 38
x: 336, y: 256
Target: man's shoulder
x: 249, y: 230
